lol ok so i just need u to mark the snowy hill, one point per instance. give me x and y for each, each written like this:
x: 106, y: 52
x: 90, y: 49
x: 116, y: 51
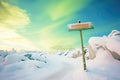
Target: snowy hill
x: 103, y: 62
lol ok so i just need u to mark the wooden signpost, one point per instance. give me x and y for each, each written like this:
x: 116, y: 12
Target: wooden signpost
x: 79, y: 27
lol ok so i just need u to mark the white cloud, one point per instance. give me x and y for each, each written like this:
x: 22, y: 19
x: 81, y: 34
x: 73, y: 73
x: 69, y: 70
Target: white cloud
x: 12, y: 16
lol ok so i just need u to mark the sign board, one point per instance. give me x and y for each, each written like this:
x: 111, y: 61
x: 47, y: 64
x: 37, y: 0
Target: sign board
x: 80, y: 26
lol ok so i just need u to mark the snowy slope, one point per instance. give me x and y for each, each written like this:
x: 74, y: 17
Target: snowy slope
x: 33, y: 65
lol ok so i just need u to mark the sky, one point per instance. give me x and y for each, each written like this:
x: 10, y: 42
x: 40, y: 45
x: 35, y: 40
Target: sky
x: 43, y: 24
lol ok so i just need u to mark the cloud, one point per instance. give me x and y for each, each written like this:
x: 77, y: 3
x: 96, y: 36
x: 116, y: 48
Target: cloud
x: 12, y: 16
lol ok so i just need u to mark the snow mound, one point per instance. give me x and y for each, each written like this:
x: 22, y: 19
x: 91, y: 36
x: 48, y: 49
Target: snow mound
x: 110, y: 44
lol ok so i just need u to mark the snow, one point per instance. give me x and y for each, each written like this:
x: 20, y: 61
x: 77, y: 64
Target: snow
x: 103, y: 67
x: 115, y: 47
x: 33, y: 65
x: 114, y: 35
x: 113, y: 42
x: 110, y: 43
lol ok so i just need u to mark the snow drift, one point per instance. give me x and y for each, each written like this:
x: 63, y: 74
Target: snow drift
x: 110, y: 44
x: 103, y: 62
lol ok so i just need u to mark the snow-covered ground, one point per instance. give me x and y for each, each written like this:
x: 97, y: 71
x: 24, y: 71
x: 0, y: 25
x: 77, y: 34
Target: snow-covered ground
x: 104, y: 64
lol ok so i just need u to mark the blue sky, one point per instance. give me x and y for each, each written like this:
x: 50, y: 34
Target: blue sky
x: 42, y: 24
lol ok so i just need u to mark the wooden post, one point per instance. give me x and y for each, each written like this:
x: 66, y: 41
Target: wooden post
x: 82, y: 47
x: 79, y: 27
